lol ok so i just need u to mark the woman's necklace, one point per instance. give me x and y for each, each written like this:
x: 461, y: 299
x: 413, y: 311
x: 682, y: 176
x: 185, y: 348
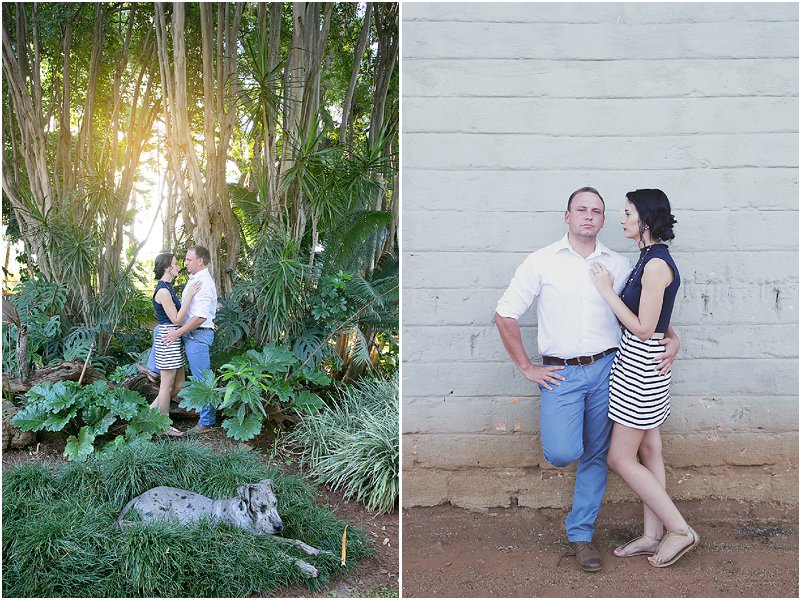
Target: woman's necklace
x: 635, y: 270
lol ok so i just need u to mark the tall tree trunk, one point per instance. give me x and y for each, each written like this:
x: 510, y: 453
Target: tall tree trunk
x: 386, y: 19
x: 357, y: 61
x: 32, y: 143
x: 271, y: 138
x: 210, y: 215
x: 64, y: 152
x: 302, y: 93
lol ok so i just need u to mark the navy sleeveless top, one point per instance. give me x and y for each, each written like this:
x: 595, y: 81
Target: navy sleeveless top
x: 633, y: 290
x: 161, y: 315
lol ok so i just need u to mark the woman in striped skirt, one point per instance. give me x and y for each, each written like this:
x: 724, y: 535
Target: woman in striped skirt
x: 170, y: 315
x: 639, y: 394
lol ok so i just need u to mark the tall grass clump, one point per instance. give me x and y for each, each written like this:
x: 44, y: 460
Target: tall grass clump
x: 60, y: 537
x: 353, y: 446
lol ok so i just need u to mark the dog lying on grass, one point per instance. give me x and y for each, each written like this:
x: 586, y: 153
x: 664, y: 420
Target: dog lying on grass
x: 255, y: 509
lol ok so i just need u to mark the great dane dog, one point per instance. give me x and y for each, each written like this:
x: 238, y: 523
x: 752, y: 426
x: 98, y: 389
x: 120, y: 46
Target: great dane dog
x: 255, y: 509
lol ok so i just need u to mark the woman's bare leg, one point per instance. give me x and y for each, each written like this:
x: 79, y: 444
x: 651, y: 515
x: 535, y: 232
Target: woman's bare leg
x: 162, y: 401
x: 622, y: 459
x: 650, y: 455
x: 180, y: 377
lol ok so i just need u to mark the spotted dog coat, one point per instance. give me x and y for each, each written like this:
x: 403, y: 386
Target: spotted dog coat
x: 255, y: 508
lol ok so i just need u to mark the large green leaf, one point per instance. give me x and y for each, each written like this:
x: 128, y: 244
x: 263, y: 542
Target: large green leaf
x: 199, y: 392
x: 315, y: 376
x: 247, y: 430
x: 147, y: 421
x: 58, y: 421
x: 79, y: 448
x: 282, y: 389
x: 31, y: 418
x: 275, y: 358
x: 122, y: 402
x: 307, y: 401
x: 55, y: 396
x: 100, y: 427
x: 231, y: 396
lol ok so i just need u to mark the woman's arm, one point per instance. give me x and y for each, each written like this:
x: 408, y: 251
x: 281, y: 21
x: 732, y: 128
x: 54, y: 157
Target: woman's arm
x: 164, y: 298
x: 656, y: 276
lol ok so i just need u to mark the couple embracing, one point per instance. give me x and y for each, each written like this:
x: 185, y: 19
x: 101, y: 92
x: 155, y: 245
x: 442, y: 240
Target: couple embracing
x: 607, y: 350
x: 183, y: 325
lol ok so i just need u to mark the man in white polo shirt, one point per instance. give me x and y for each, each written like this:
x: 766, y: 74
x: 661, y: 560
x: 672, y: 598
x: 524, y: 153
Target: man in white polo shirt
x: 577, y: 335
x: 198, y: 327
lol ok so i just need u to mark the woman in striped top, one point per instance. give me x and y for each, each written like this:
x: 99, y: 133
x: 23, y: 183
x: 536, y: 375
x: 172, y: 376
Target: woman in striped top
x: 170, y: 316
x: 639, y: 395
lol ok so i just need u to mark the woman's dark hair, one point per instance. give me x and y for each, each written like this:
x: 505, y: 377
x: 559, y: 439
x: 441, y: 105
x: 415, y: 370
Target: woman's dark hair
x: 653, y: 207
x: 161, y: 264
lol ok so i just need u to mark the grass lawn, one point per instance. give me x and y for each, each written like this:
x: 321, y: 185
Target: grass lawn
x: 60, y: 537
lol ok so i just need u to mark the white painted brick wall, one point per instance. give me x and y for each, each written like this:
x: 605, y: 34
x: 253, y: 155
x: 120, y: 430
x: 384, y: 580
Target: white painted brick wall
x: 507, y: 108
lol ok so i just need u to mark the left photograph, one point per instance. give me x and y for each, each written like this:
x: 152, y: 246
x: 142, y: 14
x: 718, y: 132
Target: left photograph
x: 200, y: 299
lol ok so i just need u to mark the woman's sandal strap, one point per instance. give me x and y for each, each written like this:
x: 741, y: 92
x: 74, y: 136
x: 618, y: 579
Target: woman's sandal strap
x: 639, y: 553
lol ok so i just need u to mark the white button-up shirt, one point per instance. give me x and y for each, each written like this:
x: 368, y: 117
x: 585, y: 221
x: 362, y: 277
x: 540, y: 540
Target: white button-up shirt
x: 573, y: 319
x: 204, y: 303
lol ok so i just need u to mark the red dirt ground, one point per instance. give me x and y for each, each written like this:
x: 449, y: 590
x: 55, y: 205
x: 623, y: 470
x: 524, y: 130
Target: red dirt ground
x: 746, y: 550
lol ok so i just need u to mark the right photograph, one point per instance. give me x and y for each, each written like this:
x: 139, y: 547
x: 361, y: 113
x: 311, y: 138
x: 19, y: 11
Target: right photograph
x: 600, y: 299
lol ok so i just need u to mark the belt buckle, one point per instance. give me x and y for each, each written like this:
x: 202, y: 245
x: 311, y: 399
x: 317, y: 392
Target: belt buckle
x: 585, y: 364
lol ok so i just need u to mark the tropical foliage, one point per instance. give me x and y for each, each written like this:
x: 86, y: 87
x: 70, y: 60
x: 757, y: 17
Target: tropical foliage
x: 354, y: 446
x: 256, y: 388
x: 61, y: 539
x: 87, y: 413
x: 267, y: 132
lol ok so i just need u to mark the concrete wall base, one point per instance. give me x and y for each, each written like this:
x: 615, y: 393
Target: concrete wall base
x: 479, y: 489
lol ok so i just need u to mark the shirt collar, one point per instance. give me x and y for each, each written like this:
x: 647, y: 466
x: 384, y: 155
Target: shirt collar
x: 199, y: 273
x: 564, y: 244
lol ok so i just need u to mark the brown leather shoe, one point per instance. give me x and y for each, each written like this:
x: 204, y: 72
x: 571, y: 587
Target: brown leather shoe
x: 587, y: 557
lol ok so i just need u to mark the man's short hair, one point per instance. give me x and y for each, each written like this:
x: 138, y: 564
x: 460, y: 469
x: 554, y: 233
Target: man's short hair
x: 585, y: 189
x: 201, y: 252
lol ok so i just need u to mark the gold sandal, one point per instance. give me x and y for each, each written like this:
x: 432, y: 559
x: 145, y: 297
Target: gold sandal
x: 641, y: 552
x: 173, y: 432
x: 692, y: 533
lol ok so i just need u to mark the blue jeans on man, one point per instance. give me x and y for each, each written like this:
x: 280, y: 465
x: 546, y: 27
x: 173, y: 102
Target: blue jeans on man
x: 575, y: 426
x: 197, y: 344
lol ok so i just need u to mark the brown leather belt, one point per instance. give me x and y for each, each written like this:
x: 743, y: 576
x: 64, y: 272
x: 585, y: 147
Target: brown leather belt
x: 579, y: 360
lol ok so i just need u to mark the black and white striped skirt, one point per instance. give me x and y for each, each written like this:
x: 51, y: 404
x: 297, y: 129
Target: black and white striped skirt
x: 639, y: 397
x: 168, y: 356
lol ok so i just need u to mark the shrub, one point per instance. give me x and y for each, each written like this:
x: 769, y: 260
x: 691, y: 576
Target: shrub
x: 255, y: 388
x: 354, y: 445
x: 61, y: 537
x: 88, y: 412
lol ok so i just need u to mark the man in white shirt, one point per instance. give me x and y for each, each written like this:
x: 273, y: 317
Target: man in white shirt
x: 198, y: 328
x: 577, y: 335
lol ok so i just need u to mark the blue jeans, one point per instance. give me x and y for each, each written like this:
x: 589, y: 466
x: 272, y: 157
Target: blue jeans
x: 575, y: 426
x: 196, y: 345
